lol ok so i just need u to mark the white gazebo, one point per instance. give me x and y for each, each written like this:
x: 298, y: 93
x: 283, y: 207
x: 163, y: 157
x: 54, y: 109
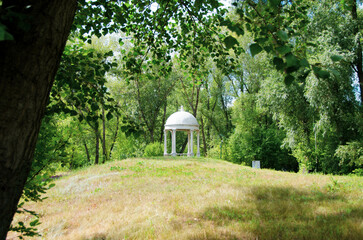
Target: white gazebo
x: 181, y: 121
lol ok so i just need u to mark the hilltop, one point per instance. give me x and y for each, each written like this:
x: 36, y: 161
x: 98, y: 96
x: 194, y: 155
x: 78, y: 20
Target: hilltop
x: 181, y: 198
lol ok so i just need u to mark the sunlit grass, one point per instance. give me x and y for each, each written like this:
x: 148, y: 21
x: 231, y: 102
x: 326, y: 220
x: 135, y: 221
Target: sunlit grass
x: 181, y: 198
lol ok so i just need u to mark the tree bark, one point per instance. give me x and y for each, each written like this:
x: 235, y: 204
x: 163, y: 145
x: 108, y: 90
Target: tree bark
x: 104, y: 150
x: 115, y: 136
x: 27, y: 69
x: 163, y: 122
x: 87, y: 151
x: 97, y: 154
x: 203, y: 137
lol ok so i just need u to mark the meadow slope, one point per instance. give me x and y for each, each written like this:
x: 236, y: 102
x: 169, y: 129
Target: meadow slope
x: 180, y: 198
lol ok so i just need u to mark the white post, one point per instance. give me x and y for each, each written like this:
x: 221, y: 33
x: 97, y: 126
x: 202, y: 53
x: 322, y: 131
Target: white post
x: 165, y: 143
x: 188, y: 144
x: 198, y: 151
x: 173, y: 143
x: 191, y: 143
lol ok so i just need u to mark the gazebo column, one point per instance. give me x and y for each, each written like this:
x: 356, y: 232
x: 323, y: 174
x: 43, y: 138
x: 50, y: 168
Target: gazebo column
x: 165, y: 143
x: 191, y: 143
x: 188, y: 143
x: 173, y: 143
x: 198, y: 151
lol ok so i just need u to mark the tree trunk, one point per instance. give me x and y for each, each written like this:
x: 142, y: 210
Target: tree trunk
x: 87, y: 152
x: 163, y: 123
x: 203, y: 137
x: 115, y: 136
x: 97, y: 154
x: 195, y: 111
x: 72, y: 157
x: 27, y: 69
x: 104, y: 150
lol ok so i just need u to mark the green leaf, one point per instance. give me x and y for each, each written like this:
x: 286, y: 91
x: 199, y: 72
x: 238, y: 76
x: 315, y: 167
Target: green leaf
x: 302, y: 77
x: 320, y: 73
x: 94, y: 107
x: 261, y: 40
x: 336, y: 58
x: 4, y: 35
x: 235, y: 28
x: 109, y: 116
x: 278, y: 62
x: 291, y: 60
x: 268, y: 49
x: 275, y: 3
x: 335, y: 73
x: 304, y: 63
x: 323, y: 74
x: 230, y: 42
x: 34, y: 223
x: 283, y: 49
x: 73, y: 113
x: 288, y: 79
x: 282, y: 35
x: 109, y: 53
x: 255, y: 49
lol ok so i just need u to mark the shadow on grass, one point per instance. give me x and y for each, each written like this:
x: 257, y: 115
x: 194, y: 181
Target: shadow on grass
x: 288, y: 213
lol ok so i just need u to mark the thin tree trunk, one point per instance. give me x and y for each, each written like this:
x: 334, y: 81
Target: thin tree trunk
x: 72, y: 156
x: 203, y: 136
x: 27, y: 69
x: 97, y: 154
x: 195, y: 111
x: 225, y: 111
x: 104, y: 150
x: 163, y: 123
x: 87, y: 152
x: 115, y: 136
x: 208, y: 111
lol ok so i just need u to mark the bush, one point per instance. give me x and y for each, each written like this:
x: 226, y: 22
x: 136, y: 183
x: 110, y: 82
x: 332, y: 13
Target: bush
x: 351, y: 154
x: 154, y: 150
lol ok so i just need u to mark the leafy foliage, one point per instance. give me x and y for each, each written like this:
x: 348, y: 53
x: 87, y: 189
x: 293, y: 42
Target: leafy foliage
x: 351, y: 154
x: 257, y: 137
x: 154, y: 149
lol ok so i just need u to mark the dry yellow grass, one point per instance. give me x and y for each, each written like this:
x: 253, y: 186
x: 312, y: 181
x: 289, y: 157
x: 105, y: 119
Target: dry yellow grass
x: 180, y: 198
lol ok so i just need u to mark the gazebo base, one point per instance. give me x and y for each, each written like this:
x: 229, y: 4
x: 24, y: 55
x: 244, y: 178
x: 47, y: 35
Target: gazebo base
x: 178, y: 154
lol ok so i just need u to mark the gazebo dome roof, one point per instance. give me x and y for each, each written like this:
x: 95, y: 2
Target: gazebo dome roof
x: 182, y: 121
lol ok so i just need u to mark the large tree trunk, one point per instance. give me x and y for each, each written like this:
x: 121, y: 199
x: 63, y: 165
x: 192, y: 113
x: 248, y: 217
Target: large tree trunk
x: 27, y: 69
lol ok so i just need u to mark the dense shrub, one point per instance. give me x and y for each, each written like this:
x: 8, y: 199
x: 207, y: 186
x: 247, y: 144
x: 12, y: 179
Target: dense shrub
x: 154, y: 149
x: 128, y: 146
x: 351, y: 154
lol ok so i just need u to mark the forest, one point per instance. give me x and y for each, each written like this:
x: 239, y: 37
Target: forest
x: 113, y: 94
x: 275, y: 81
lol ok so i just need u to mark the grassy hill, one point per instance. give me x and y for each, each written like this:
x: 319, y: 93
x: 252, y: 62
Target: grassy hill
x: 180, y: 198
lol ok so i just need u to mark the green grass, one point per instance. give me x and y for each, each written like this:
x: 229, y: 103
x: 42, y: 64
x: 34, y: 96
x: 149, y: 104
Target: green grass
x: 181, y: 198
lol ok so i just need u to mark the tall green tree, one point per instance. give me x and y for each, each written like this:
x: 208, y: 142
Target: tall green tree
x: 34, y: 34
x: 80, y: 90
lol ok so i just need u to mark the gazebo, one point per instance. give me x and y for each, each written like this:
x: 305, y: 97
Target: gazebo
x: 181, y: 121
